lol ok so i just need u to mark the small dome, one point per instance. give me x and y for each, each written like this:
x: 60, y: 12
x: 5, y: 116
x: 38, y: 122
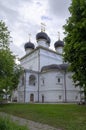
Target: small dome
x: 29, y: 45
x: 41, y: 35
x: 48, y: 40
x: 59, y: 43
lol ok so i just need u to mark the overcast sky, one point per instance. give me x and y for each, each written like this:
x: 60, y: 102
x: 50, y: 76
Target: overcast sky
x: 24, y: 16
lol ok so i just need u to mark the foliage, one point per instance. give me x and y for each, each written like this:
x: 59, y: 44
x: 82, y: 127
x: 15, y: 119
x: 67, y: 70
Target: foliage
x: 61, y: 116
x: 6, y: 68
x: 6, y: 124
x: 4, y: 36
x: 75, y: 42
x: 17, y: 72
x: 9, y: 70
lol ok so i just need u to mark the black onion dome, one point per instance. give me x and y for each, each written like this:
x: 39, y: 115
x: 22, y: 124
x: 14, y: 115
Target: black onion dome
x: 41, y: 35
x: 29, y: 45
x: 59, y: 43
x: 54, y: 67
x: 48, y: 40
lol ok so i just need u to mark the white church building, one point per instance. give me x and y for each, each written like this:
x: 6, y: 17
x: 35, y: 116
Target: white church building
x: 46, y: 78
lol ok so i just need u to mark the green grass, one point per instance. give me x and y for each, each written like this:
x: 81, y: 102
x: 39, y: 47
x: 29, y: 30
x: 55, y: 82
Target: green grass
x: 65, y: 116
x: 7, y: 124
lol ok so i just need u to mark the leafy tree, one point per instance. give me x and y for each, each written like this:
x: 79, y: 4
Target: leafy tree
x: 9, y: 70
x: 75, y: 42
x: 4, y: 36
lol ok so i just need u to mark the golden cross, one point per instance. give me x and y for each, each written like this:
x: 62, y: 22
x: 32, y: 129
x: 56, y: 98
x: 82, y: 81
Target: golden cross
x: 29, y: 36
x: 43, y: 27
x: 58, y: 35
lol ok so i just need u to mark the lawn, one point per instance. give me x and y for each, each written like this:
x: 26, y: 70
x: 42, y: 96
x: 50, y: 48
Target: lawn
x: 64, y: 116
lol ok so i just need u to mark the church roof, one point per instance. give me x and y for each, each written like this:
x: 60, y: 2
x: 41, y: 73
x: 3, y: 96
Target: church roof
x: 38, y: 48
x: 54, y: 67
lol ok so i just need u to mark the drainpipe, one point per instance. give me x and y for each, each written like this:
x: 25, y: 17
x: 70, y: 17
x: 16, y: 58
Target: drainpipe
x: 24, y: 86
x: 65, y: 86
x: 38, y: 72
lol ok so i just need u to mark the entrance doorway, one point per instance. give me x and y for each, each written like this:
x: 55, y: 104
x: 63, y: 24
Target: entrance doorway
x: 42, y: 98
x: 32, y: 97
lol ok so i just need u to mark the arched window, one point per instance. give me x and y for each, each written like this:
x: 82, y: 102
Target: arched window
x: 32, y: 80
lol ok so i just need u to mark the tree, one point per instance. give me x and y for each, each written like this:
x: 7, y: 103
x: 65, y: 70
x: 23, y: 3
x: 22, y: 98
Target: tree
x: 9, y: 70
x: 75, y: 42
x: 4, y: 36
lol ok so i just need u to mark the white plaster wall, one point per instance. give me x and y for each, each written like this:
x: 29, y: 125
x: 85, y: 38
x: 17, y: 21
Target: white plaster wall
x: 51, y: 96
x: 50, y: 79
x: 71, y: 96
x: 47, y: 58
x: 33, y: 62
x: 51, y: 88
x: 21, y: 96
x: 27, y: 99
x: 72, y: 91
x: 30, y: 61
x: 31, y: 89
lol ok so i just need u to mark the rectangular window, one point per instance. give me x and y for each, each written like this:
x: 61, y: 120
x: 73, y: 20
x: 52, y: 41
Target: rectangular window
x: 58, y: 80
x: 60, y: 97
x: 42, y: 82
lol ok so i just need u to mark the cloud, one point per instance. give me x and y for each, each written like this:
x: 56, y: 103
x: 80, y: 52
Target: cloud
x: 17, y: 51
x: 59, y: 8
x: 24, y: 16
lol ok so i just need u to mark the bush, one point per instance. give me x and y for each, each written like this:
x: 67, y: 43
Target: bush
x: 6, y: 124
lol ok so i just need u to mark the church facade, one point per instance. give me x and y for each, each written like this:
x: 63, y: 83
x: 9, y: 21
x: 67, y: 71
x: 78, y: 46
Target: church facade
x: 46, y: 78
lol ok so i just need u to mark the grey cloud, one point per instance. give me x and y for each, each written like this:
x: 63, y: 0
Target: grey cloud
x: 18, y: 51
x: 59, y: 7
x: 9, y: 9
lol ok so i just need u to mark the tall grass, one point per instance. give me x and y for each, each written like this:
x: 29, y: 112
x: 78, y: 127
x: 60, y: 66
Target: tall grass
x: 7, y: 124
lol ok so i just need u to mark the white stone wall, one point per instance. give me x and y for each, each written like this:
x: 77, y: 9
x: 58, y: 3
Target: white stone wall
x: 73, y: 93
x: 38, y: 59
x: 51, y: 88
x: 30, y: 89
x: 48, y: 58
x: 30, y: 61
x: 46, y: 84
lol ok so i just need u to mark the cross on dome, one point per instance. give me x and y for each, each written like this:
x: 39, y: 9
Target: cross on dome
x: 58, y: 35
x: 43, y: 27
x: 29, y: 36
